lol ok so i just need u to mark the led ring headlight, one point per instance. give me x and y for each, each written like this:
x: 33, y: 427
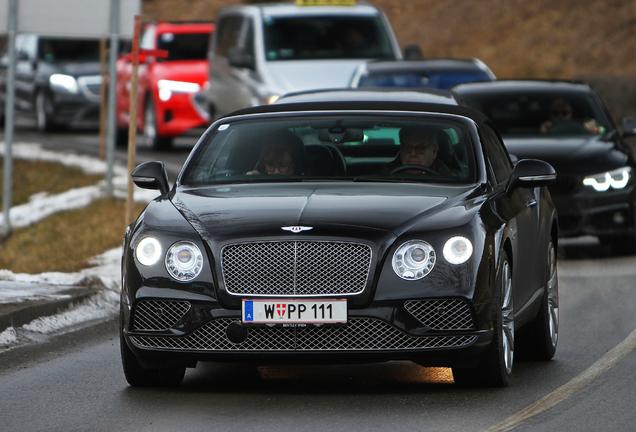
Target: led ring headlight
x: 148, y: 251
x: 184, y: 261
x: 457, y: 250
x: 413, y: 260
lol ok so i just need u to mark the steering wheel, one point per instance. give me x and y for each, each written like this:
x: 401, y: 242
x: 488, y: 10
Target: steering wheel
x: 568, y: 126
x: 414, y: 167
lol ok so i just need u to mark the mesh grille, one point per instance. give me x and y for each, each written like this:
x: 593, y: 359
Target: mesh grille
x: 361, y: 334
x: 296, y: 268
x: 441, y: 314
x: 159, y: 314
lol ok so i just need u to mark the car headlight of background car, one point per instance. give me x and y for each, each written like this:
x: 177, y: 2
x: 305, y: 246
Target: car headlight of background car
x: 167, y: 87
x: 183, y: 260
x: 616, y: 179
x: 64, y: 83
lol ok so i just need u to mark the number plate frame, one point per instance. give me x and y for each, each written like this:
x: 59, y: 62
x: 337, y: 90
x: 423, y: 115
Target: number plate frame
x: 293, y: 311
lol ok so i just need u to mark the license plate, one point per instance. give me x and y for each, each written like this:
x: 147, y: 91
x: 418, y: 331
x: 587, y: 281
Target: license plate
x: 294, y: 311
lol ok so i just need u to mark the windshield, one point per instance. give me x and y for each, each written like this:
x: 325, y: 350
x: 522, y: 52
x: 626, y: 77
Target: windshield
x: 334, y: 148
x: 184, y: 46
x: 439, y: 80
x: 326, y: 37
x: 526, y: 113
x: 56, y: 50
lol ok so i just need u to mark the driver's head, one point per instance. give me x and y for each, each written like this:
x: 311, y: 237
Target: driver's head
x: 560, y: 110
x: 418, y: 145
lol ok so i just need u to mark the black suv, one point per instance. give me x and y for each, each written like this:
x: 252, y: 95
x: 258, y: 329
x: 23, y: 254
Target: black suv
x: 58, y: 80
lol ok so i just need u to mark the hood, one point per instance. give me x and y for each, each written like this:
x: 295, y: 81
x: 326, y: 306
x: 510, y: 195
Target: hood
x: 358, y: 210
x: 570, y: 155
x: 194, y: 71
x: 78, y: 69
x: 302, y: 75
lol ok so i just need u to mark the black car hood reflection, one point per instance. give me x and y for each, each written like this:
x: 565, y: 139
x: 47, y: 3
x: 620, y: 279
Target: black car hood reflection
x: 254, y: 210
x: 569, y: 155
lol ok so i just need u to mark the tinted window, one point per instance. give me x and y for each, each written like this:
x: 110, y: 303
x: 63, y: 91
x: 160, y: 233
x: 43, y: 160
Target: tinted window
x: 56, y: 50
x: 440, y: 80
x: 495, y: 154
x: 534, y: 113
x: 326, y: 37
x: 227, y: 34
x: 364, y: 148
x: 184, y: 46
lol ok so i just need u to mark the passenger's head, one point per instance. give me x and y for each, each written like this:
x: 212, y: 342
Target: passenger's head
x: 281, y: 154
x: 418, y: 145
x: 560, y: 110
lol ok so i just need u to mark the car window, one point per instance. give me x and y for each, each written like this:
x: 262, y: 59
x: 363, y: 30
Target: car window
x: 147, y: 40
x: 440, y: 80
x: 183, y: 46
x: 526, y: 113
x: 495, y: 154
x: 227, y: 34
x: 325, y: 37
x: 61, y: 50
x: 332, y: 147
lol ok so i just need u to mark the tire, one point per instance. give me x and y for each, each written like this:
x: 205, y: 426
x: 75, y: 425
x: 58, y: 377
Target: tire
x: 151, y: 134
x: 140, y: 377
x: 43, y: 112
x: 495, y: 367
x: 538, y: 341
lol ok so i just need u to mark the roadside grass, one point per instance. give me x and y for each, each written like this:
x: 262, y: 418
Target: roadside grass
x: 67, y: 240
x: 31, y: 177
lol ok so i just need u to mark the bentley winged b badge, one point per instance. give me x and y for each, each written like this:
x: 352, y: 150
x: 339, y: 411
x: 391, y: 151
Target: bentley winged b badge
x: 297, y: 229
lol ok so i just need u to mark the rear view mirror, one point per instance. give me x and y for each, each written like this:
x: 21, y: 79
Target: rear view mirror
x: 629, y: 127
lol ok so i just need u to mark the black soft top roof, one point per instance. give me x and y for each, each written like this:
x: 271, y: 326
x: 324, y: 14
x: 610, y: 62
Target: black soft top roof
x: 352, y: 105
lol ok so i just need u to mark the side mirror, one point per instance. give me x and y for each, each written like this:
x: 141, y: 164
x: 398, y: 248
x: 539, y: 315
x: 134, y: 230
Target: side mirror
x: 237, y: 57
x: 629, y: 127
x: 151, y: 175
x: 413, y: 52
x: 530, y: 173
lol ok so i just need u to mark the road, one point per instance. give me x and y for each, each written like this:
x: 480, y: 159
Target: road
x: 74, y: 381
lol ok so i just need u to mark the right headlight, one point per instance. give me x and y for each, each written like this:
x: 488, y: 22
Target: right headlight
x: 64, y: 83
x: 457, y: 250
x: 414, y: 259
x: 616, y: 179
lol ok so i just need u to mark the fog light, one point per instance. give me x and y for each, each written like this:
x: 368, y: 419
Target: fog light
x: 619, y: 218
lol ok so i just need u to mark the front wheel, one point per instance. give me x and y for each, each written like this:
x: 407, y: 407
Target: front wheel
x: 151, y: 132
x: 495, y: 367
x: 43, y: 111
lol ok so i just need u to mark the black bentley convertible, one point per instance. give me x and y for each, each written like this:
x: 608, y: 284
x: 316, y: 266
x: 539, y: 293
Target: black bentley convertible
x: 300, y: 232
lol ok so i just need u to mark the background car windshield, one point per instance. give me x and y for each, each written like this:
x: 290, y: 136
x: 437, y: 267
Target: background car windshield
x: 56, y: 50
x: 541, y: 113
x: 330, y: 148
x: 440, y: 80
x: 187, y: 46
x: 326, y: 37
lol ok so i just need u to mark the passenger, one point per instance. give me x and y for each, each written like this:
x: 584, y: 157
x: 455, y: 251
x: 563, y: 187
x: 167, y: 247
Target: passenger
x: 281, y: 154
x: 419, y: 146
x: 560, y: 110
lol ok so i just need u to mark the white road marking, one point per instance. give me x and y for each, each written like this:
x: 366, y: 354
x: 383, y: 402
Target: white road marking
x: 605, y: 363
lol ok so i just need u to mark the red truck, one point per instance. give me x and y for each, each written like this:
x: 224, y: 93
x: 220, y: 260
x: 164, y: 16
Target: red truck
x: 166, y: 86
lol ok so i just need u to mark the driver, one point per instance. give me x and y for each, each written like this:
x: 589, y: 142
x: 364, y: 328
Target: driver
x: 560, y: 110
x: 418, y: 146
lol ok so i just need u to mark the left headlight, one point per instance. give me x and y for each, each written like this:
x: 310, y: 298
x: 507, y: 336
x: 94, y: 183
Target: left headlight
x: 184, y: 261
x: 167, y: 87
x: 414, y: 259
x: 616, y: 179
x: 64, y: 83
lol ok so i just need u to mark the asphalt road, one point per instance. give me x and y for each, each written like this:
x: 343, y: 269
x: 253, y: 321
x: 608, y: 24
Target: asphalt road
x: 74, y: 381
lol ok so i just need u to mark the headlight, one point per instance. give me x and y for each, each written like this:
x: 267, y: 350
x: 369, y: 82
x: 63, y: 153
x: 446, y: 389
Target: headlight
x: 414, y: 260
x: 616, y: 179
x: 167, y: 87
x: 184, y: 261
x: 270, y: 99
x: 457, y: 250
x: 64, y: 83
x: 148, y: 251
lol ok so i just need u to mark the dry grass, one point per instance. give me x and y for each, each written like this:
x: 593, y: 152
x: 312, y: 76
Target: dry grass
x: 64, y: 241
x: 33, y: 177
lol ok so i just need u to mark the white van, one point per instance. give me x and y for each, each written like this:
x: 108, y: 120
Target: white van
x: 260, y: 52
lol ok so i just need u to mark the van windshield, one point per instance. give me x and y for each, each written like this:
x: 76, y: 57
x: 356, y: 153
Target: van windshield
x: 326, y: 37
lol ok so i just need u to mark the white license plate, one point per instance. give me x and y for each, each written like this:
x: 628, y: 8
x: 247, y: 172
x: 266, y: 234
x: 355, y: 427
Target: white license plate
x: 281, y: 311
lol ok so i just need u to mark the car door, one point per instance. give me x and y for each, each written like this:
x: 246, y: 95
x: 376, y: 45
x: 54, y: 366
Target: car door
x: 520, y: 210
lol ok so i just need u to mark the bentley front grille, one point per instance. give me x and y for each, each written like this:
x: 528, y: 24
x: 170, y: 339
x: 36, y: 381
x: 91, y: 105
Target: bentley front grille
x: 159, y: 314
x: 361, y: 334
x: 441, y: 314
x: 296, y: 268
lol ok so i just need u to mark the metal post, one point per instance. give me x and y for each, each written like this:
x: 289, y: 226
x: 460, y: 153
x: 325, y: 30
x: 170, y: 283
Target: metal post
x: 132, y: 126
x: 7, y: 183
x: 112, y: 92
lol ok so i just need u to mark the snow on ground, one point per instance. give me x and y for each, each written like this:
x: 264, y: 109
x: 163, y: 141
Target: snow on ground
x: 105, y: 268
